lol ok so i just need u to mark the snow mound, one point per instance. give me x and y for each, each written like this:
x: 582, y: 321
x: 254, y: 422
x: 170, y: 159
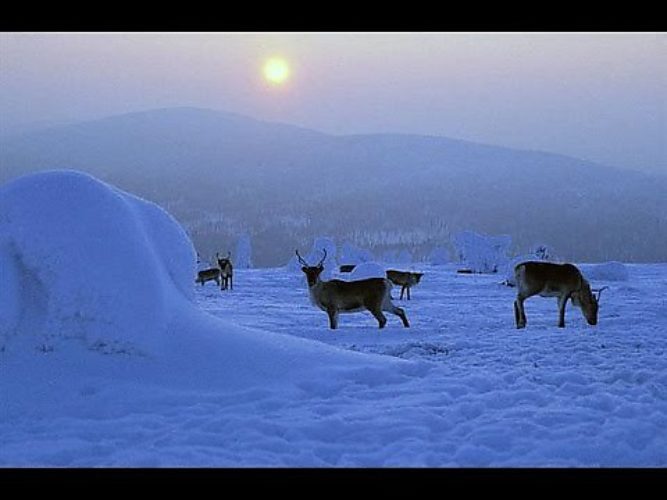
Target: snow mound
x: 88, y: 269
x: 608, y: 271
x: 82, y: 259
x: 482, y: 253
x: 363, y: 271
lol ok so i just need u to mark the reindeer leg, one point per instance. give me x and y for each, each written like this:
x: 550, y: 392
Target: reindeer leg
x: 401, y: 314
x: 408, y: 293
x: 562, y: 302
x: 377, y: 312
x: 333, y: 318
x: 402, y: 290
x: 389, y: 307
x: 520, y: 312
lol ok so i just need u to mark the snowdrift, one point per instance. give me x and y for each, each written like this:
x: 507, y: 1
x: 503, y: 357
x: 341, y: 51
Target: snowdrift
x: 87, y: 267
x: 607, y: 271
x: 81, y: 259
x: 363, y: 271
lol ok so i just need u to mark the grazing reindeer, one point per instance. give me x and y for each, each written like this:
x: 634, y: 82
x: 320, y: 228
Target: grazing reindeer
x: 337, y: 296
x: 226, y: 271
x: 404, y: 279
x: 564, y: 281
x: 212, y: 274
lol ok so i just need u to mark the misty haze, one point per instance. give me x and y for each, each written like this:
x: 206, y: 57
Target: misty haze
x: 224, y: 175
x: 333, y: 250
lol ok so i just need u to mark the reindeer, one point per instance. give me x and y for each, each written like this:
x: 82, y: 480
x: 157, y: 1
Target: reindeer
x: 337, y: 296
x: 404, y: 279
x: 226, y: 271
x: 212, y: 274
x: 563, y: 281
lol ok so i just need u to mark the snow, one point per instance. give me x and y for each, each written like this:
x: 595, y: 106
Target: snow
x: 67, y: 240
x: 255, y: 377
x: 482, y: 253
x: 351, y: 254
x: 404, y: 257
x: 363, y: 271
x: 438, y: 256
x: 609, y: 271
x: 242, y: 259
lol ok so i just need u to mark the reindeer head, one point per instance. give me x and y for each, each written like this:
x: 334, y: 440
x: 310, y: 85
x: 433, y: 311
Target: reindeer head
x: 417, y: 277
x: 589, y: 304
x: 312, y: 272
x: 222, y: 262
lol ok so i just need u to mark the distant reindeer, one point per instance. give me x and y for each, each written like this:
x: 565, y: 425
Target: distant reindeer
x: 563, y: 281
x: 337, y: 296
x: 405, y: 280
x: 347, y: 268
x: 226, y: 271
x: 212, y: 274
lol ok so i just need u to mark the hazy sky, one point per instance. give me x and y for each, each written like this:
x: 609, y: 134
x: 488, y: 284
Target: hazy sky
x: 599, y: 96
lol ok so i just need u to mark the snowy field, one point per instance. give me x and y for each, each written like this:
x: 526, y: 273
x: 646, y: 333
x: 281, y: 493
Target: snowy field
x: 110, y: 356
x: 480, y: 393
x: 493, y: 395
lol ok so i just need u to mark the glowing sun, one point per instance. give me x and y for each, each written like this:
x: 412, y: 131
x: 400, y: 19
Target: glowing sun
x: 276, y: 71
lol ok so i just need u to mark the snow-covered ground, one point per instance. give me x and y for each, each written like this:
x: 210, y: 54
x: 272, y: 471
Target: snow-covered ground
x: 110, y: 356
x: 493, y: 395
x: 474, y: 392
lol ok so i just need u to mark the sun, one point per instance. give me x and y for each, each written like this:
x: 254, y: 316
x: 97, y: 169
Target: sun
x: 276, y: 71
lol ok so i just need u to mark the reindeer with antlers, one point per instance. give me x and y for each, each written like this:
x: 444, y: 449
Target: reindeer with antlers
x: 563, y: 281
x: 226, y: 271
x: 337, y: 296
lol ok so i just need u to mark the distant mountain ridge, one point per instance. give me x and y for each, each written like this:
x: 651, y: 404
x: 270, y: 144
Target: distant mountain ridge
x: 223, y: 174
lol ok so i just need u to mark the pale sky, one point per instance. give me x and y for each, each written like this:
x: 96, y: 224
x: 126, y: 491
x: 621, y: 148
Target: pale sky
x: 598, y: 96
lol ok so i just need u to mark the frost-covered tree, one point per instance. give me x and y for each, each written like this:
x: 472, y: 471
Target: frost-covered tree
x: 351, y: 254
x: 482, y: 253
x: 389, y: 256
x: 404, y: 257
x: 543, y: 252
x: 438, y: 256
x: 243, y: 257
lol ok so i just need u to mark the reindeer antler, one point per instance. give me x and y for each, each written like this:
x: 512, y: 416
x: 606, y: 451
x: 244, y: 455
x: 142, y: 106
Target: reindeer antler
x: 301, y: 259
x: 597, y: 299
x: 323, y: 258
